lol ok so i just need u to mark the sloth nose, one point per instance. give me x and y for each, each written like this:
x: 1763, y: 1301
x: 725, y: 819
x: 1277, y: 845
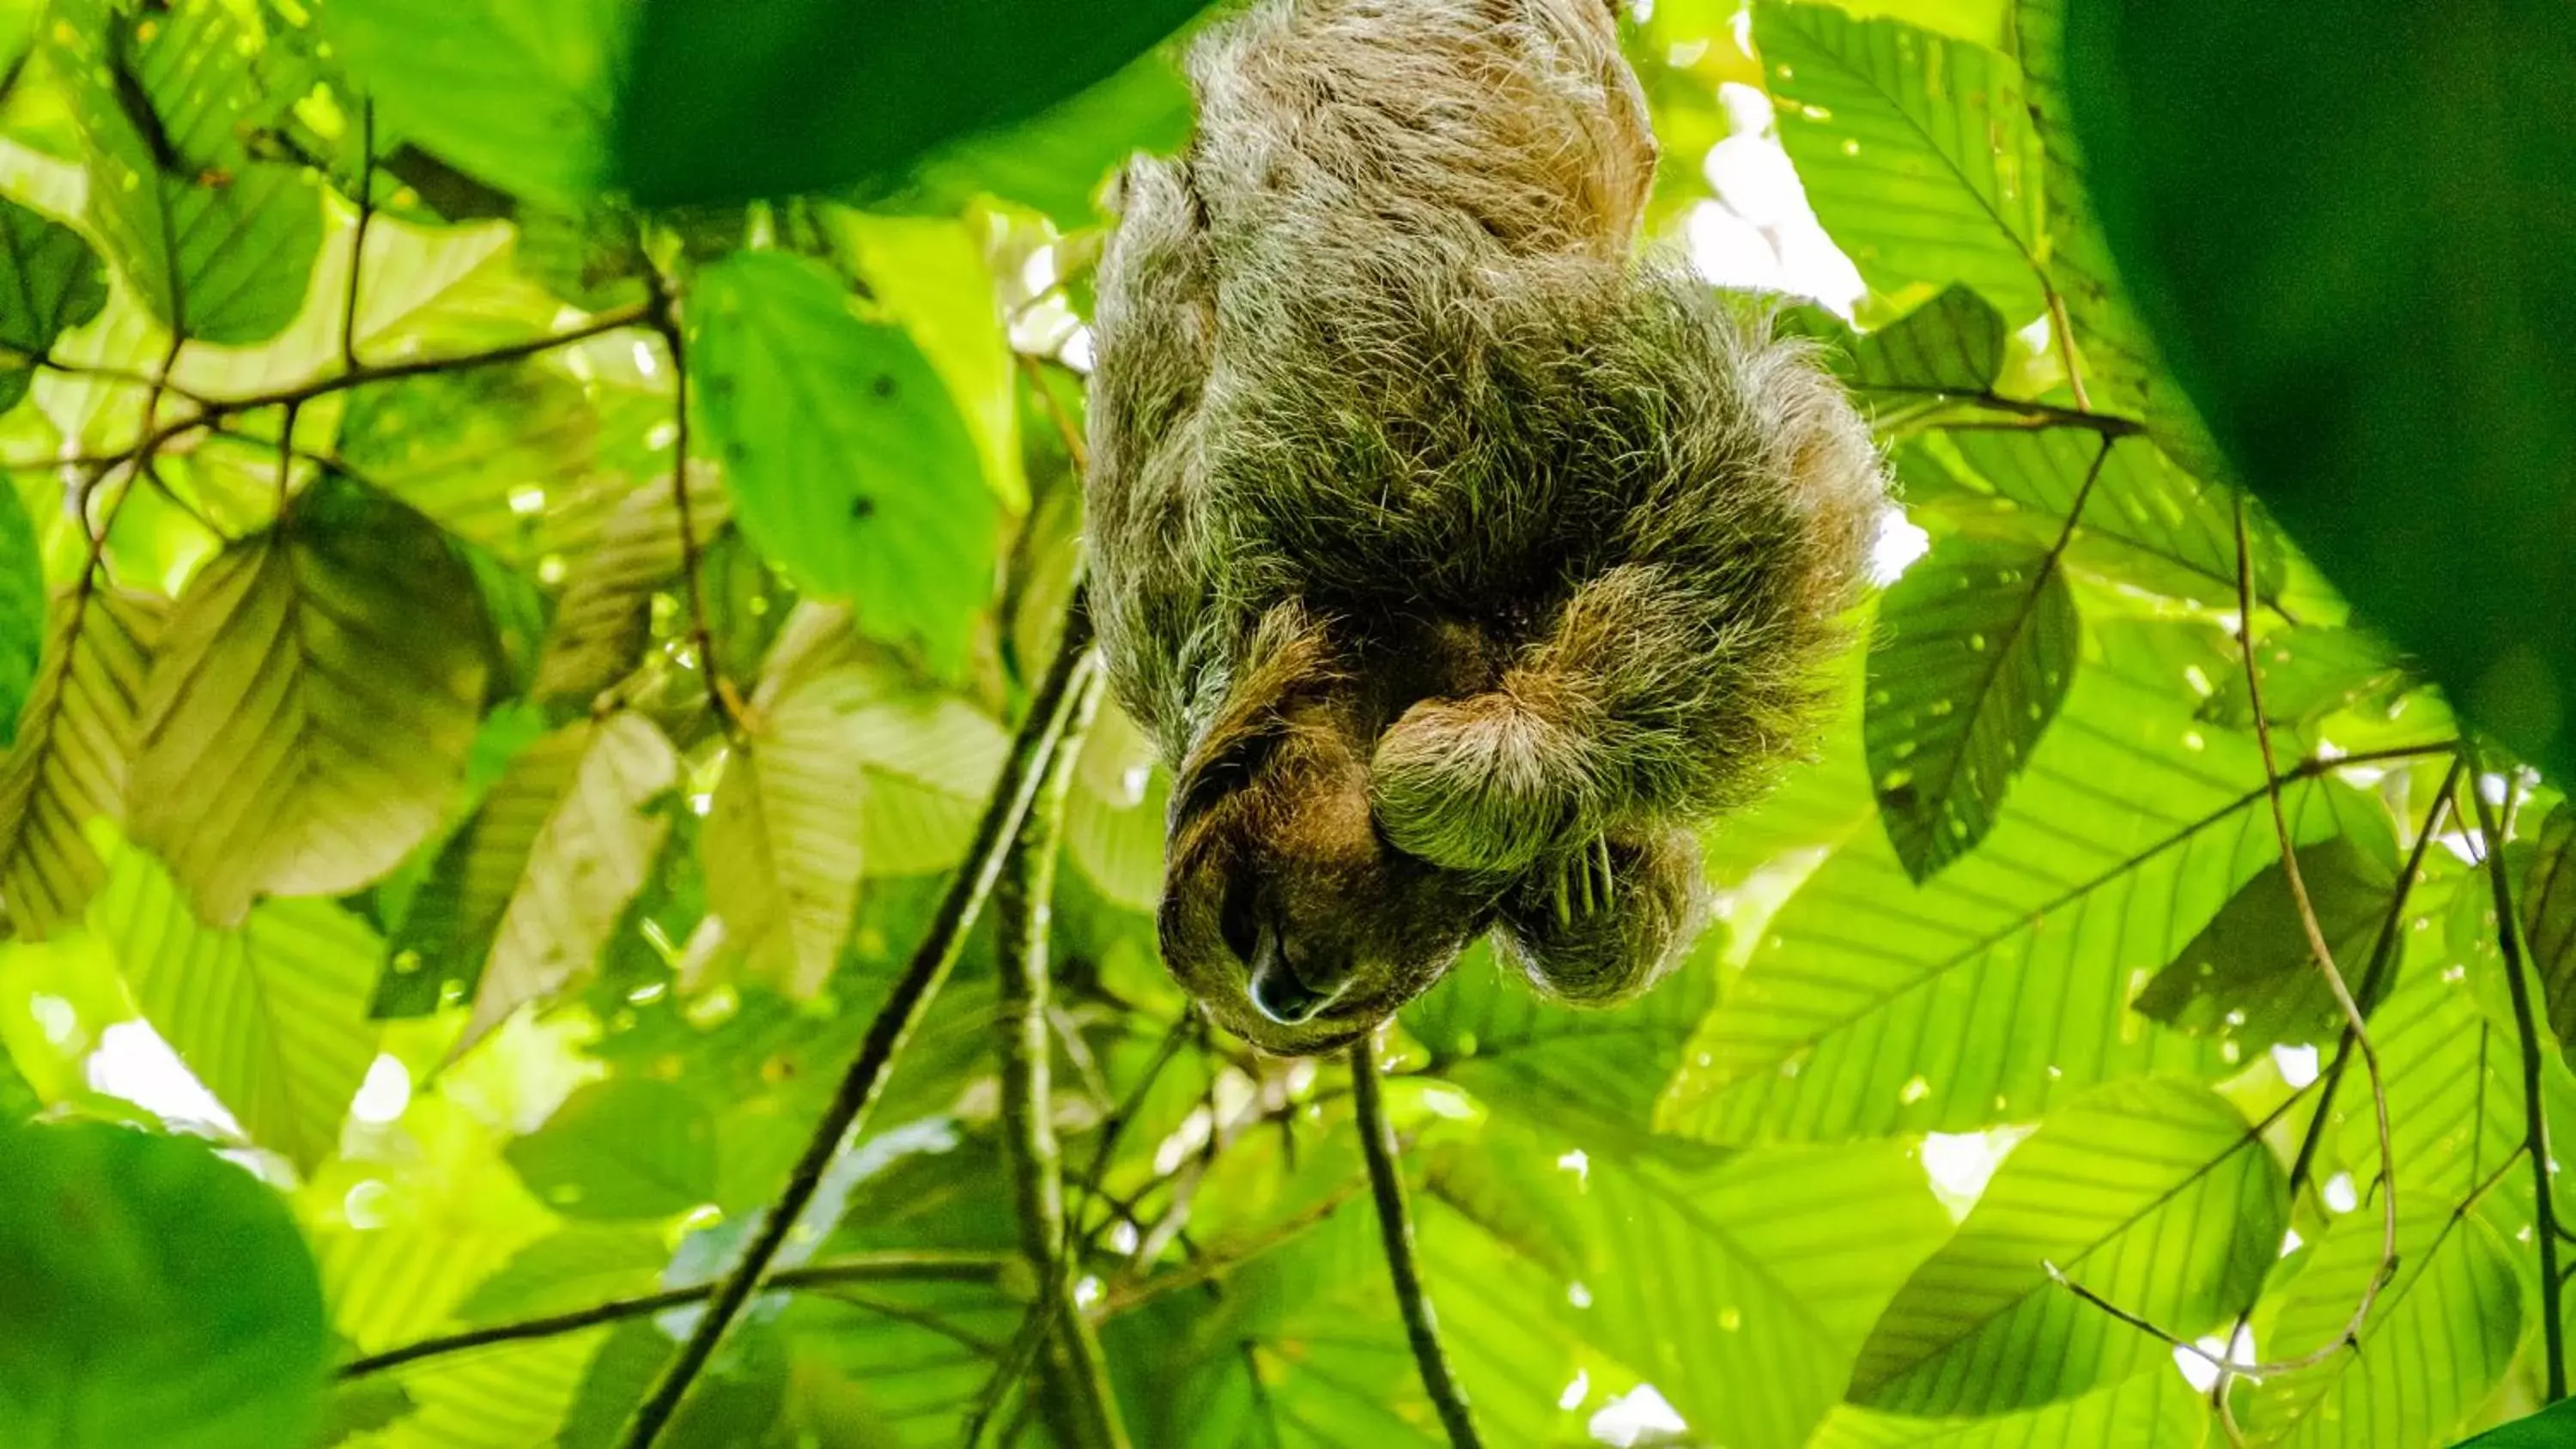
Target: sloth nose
x: 1277, y: 990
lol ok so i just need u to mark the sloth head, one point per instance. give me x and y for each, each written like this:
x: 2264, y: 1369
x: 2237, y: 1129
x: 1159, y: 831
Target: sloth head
x: 1285, y: 911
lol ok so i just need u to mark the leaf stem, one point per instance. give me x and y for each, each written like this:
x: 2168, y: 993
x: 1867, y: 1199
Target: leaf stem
x: 869, y: 1268
x: 2535, y: 1128
x: 846, y: 1116
x: 1076, y: 1403
x: 1395, y: 1230
x: 721, y: 699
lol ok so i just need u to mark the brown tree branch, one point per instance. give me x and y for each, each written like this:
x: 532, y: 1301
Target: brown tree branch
x: 846, y: 1116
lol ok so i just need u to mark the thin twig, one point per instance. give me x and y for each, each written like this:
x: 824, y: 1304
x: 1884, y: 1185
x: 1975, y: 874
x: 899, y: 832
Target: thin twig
x: 846, y: 1115
x: 721, y: 699
x: 817, y: 1277
x: 358, y: 244
x: 1076, y: 1403
x: 2535, y: 1128
x: 1395, y: 1230
x: 2029, y: 413
x: 2062, y: 327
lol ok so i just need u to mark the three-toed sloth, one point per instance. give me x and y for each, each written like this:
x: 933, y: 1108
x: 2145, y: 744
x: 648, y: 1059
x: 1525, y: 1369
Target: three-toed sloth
x: 1459, y: 562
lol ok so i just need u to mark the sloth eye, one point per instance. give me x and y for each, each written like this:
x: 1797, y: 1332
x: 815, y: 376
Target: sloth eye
x: 1234, y: 765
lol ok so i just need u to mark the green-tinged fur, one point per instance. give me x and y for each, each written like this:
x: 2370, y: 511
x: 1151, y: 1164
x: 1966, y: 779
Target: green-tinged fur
x: 1453, y: 555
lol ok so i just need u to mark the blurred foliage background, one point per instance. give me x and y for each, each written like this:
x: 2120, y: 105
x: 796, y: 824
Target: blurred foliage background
x: 507, y: 648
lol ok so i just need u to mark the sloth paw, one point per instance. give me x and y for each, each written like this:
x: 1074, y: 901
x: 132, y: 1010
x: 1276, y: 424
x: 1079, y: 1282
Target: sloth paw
x: 1602, y: 923
x: 1477, y: 784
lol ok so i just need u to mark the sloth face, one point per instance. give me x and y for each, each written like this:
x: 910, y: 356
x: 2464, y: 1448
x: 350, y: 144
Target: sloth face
x: 1285, y: 911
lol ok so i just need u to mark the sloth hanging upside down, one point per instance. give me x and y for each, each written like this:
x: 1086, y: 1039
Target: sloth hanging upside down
x: 1459, y: 563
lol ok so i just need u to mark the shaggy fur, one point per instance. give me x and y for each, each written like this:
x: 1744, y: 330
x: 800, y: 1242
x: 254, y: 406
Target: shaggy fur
x: 1459, y: 563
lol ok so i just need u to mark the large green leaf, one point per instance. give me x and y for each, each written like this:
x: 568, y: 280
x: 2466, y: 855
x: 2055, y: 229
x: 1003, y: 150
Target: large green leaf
x: 1975, y: 648
x: 1875, y: 1005
x: 2360, y: 282
x: 587, y: 862
x: 2548, y: 906
x: 784, y: 841
x: 2439, y: 1337
x: 719, y: 104
x: 2454, y: 1083
x: 2154, y: 1194
x: 2251, y: 975
x: 1591, y: 1076
x: 516, y: 95
x: 157, y: 1295
x: 271, y: 1015
x: 50, y: 282
x: 1916, y: 150
x: 1743, y: 1291
x: 1060, y: 160
x: 2155, y: 1411
x: 69, y: 763
x: 307, y: 719
x: 847, y: 461
x: 622, y: 1149
x: 930, y: 275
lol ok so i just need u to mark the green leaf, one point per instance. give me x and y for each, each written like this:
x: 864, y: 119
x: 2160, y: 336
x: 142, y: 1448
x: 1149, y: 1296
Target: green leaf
x: 50, y: 282
x: 1915, y: 149
x: 2454, y: 1082
x: 717, y: 104
x: 157, y: 1295
x: 783, y: 843
x: 1976, y: 645
x: 307, y: 718
x: 1874, y: 1005
x: 2156, y: 1411
x: 505, y: 457
x: 271, y: 1015
x: 1742, y: 1291
x: 68, y: 766
x: 1590, y: 1075
x: 2154, y: 1194
x: 849, y: 466
x: 621, y: 1149
x: 569, y: 1270
x: 2359, y: 284
x: 1951, y: 344
x: 590, y: 857
x: 447, y: 931
x: 2439, y: 1338
x: 22, y: 611
x: 219, y: 247
x: 2308, y: 673
x: 2551, y: 1427
x: 2250, y: 974
x: 2146, y: 520
x: 514, y: 95
x: 605, y: 618
x: 361, y: 1407
x: 2548, y: 904
x: 930, y: 276
x: 1060, y: 160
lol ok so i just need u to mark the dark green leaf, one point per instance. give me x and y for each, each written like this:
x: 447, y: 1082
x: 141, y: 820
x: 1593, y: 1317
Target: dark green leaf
x: 2362, y: 284
x: 22, y: 608
x: 157, y: 1295
x: 307, y: 721
x: 1976, y: 646
x: 1951, y: 344
x: 2250, y: 975
x: 720, y: 103
x: 2548, y: 904
x: 2551, y: 1428
x: 50, y: 282
x: 1058, y: 161
x: 622, y: 1149
x: 847, y: 461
